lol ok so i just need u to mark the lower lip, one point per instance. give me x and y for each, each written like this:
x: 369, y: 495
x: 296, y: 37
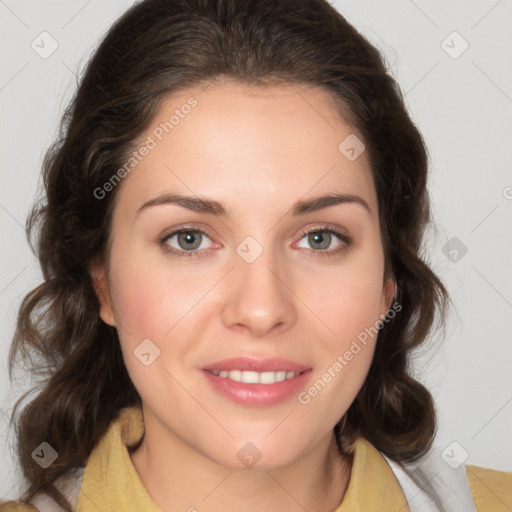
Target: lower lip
x: 257, y: 394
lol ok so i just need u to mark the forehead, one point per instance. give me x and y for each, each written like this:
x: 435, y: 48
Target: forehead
x: 253, y: 143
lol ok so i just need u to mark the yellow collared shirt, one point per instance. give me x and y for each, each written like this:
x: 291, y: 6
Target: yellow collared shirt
x: 111, y: 484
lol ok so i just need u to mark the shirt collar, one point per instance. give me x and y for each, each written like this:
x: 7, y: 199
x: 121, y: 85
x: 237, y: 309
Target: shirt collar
x: 372, y: 485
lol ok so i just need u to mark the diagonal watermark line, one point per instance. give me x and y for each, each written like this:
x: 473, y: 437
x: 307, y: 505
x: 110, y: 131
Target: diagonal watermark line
x: 12, y: 216
x: 301, y: 300
x: 312, y: 107
x: 286, y: 491
x: 208, y: 83
x: 4, y: 496
x: 422, y: 78
x: 4, y: 414
x: 13, y: 279
x: 76, y: 14
x: 279, y: 423
x: 69, y: 68
x: 204, y: 295
x: 503, y: 407
x: 119, y: 324
x: 79, y: 486
x: 485, y: 15
x: 492, y: 211
x: 422, y: 487
x: 492, y: 81
x: 487, y: 281
x: 2, y: 2
x: 424, y: 14
x: 303, y: 195
x: 200, y: 404
x: 217, y: 486
x: 14, y: 76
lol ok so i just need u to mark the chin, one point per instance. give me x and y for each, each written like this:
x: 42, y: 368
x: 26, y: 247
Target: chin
x: 258, y: 454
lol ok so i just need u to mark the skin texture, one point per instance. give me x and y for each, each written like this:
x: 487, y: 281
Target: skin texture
x: 258, y: 151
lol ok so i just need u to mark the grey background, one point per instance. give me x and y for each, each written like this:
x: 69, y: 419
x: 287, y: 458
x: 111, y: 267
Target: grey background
x: 463, y: 107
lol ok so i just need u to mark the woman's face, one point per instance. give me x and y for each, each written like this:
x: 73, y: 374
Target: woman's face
x: 212, y: 320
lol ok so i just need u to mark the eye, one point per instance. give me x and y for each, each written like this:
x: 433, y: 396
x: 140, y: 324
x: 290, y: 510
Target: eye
x: 326, y: 241
x: 185, y: 242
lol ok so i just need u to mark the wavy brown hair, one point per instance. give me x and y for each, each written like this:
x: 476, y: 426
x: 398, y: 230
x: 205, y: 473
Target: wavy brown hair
x: 156, y: 48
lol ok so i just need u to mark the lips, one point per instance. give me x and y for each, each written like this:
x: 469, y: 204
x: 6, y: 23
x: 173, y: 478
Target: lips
x: 246, y: 364
x: 257, y: 382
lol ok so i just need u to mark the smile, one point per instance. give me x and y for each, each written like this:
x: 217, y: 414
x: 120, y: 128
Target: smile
x: 257, y: 381
x: 251, y: 377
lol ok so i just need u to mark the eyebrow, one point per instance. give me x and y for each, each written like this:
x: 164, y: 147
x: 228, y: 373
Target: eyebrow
x: 210, y: 206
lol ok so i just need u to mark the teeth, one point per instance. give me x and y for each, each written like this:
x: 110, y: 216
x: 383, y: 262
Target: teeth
x: 249, y: 377
x: 280, y: 376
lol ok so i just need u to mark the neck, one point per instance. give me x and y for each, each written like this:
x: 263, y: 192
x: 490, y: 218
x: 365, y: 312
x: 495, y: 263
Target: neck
x: 177, y: 477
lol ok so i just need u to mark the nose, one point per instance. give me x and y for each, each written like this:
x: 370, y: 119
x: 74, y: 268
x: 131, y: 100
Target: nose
x: 259, y: 298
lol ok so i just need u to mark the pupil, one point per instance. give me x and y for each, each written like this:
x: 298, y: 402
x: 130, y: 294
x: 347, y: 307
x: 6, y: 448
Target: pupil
x: 318, y: 238
x: 189, y: 238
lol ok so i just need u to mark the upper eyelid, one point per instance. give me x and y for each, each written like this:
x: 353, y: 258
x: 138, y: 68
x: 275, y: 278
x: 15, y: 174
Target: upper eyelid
x: 326, y: 227
x: 177, y: 231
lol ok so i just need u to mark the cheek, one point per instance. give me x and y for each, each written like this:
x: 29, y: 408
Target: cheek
x: 348, y: 303
x: 137, y: 301
x: 347, y: 300
x: 149, y: 298
x: 147, y: 303
x: 349, y: 307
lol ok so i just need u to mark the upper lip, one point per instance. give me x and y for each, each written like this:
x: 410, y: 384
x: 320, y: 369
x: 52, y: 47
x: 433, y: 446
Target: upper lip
x: 257, y: 365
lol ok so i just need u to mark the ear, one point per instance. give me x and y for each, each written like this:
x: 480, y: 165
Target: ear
x: 102, y: 288
x: 388, y: 294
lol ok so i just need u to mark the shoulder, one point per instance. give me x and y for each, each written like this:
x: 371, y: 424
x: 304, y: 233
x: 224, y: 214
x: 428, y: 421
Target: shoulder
x: 444, y: 486
x: 16, y: 506
x: 492, y: 489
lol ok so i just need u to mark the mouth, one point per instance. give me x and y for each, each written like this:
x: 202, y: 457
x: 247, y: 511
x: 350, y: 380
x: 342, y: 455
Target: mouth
x: 257, y: 382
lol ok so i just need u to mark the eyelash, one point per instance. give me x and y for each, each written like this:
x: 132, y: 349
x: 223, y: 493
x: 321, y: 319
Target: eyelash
x: 346, y: 243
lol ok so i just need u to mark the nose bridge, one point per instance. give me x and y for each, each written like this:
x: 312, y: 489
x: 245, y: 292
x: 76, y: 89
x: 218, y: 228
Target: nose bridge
x: 257, y: 296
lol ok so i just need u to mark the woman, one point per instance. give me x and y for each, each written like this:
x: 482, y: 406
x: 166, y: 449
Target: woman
x: 230, y: 245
